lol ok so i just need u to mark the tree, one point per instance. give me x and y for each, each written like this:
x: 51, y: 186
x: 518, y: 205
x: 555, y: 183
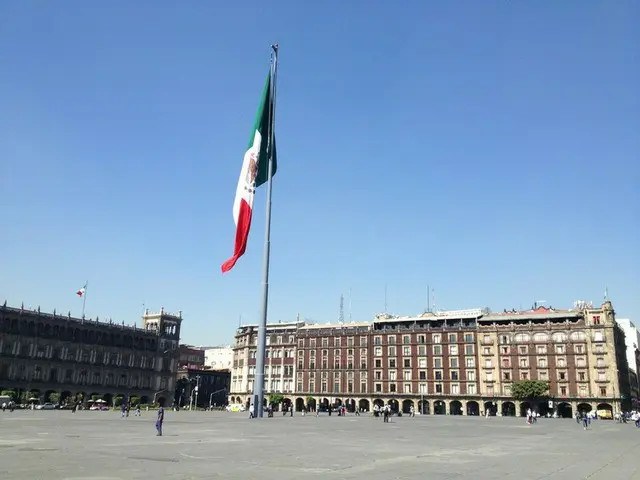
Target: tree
x: 54, y: 397
x: 276, y: 398
x: 529, y: 389
x: 9, y: 393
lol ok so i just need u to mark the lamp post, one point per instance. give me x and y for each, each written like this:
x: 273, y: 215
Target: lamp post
x: 196, y: 390
x: 211, y: 397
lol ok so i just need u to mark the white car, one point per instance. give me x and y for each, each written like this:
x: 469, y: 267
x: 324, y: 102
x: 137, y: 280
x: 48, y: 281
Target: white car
x: 45, y: 406
x: 236, y: 408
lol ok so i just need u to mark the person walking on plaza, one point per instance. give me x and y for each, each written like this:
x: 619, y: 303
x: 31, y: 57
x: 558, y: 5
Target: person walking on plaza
x: 160, y: 421
x: 251, y: 410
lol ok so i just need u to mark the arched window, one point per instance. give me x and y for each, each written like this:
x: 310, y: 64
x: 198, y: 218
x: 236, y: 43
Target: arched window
x: 522, y: 338
x: 541, y: 337
x: 578, y: 337
x: 560, y: 337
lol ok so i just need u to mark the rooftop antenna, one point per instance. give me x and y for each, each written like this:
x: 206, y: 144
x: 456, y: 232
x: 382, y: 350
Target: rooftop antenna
x: 606, y: 294
x: 341, y: 313
x: 433, y: 292
x: 428, y: 300
x: 350, y: 304
x: 239, y: 320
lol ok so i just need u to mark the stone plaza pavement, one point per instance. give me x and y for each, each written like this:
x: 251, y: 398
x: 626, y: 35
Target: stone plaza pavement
x: 204, y: 445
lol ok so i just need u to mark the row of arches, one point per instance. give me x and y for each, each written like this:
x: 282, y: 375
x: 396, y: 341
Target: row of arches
x: 68, y: 397
x: 439, y: 407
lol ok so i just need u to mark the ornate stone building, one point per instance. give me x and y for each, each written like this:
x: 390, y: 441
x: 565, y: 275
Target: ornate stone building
x: 457, y: 362
x: 49, y: 353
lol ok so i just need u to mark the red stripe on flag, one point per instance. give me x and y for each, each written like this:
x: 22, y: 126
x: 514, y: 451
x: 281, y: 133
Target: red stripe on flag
x: 242, y: 234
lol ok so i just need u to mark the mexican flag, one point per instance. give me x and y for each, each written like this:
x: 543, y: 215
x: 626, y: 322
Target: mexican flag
x: 253, y: 174
x: 82, y: 291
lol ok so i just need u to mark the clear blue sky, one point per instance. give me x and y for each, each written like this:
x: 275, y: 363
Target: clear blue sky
x: 488, y: 149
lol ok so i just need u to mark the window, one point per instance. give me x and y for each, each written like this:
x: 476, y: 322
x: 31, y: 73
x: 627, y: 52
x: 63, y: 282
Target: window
x: 391, y: 339
x: 522, y: 350
x: 454, y: 362
x: 436, y: 338
x: 542, y: 375
x: 422, y: 388
x: 438, y: 388
x: 406, y: 387
x: 542, y: 363
x: 406, y: 351
x: 422, y: 363
x: 540, y: 337
x: 561, y: 362
x: 377, y: 341
x: 378, y: 387
x: 524, y: 375
x: 471, y: 375
x: 598, y: 336
x: 378, y: 363
x: 581, y: 362
x: 487, y: 363
x: 506, y: 376
x: 392, y: 363
x: 468, y: 337
x: 437, y: 349
x: 454, y: 375
x: 524, y: 363
x: 406, y: 339
x: 392, y: 351
x: 377, y: 351
x: 392, y: 387
x: 407, y: 363
x: 406, y: 375
x: 455, y: 389
x: 506, y: 363
x: 468, y: 350
x: 378, y: 374
x: 563, y: 391
x: 596, y: 319
x: 437, y: 374
x: 486, y: 339
x: 603, y: 391
x: 602, y: 376
x: 522, y: 337
x: 562, y: 375
x: 578, y: 348
x: 581, y: 376
x: 471, y: 388
x: 422, y: 374
x: 437, y: 363
x: 422, y: 350
x: 363, y: 387
x: 583, y: 391
x: 541, y: 349
x: 470, y: 362
x: 453, y: 349
x: 363, y: 341
x: 422, y: 339
x: 453, y: 337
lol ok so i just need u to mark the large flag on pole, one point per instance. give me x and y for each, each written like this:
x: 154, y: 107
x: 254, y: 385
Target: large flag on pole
x: 82, y: 291
x: 253, y: 174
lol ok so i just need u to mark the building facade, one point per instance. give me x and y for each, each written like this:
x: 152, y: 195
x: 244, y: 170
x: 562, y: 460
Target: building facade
x: 632, y: 342
x: 456, y: 362
x: 190, y: 357
x: 58, y: 358
x: 202, y: 387
x: 219, y: 358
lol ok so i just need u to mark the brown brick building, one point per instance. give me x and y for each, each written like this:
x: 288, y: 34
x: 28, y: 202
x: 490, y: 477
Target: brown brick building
x: 455, y: 362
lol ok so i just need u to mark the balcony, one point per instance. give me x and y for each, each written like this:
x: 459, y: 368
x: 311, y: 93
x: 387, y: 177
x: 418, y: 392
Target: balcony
x: 486, y: 341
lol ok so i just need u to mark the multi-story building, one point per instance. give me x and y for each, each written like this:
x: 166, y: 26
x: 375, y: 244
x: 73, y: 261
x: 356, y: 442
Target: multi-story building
x: 279, y: 361
x: 218, y: 358
x: 202, y: 387
x: 190, y: 357
x: 454, y: 362
x: 632, y: 342
x: 57, y: 357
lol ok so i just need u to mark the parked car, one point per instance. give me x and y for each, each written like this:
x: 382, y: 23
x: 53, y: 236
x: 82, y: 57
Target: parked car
x: 45, y: 406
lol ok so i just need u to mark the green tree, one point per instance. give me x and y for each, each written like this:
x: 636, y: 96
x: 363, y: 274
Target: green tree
x: 54, y: 397
x: 134, y: 399
x: 117, y: 400
x: 276, y: 398
x: 10, y: 393
x: 529, y: 389
x: 94, y: 397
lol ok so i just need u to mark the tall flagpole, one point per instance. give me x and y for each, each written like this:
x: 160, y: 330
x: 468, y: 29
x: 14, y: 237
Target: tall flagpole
x: 84, y: 297
x: 258, y: 386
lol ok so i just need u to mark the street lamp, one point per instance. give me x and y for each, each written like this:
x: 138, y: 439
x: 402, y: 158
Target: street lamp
x: 197, y: 388
x: 211, y: 396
